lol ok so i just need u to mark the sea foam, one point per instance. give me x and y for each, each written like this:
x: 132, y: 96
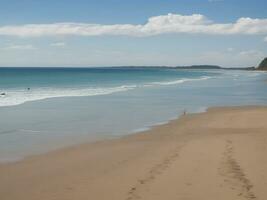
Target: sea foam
x: 20, y: 96
x: 16, y: 97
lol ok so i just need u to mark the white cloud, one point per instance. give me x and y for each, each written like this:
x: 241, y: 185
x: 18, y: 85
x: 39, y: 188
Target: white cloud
x: 171, y: 23
x: 251, y: 54
x: 20, y: 47
x: 58, y: 44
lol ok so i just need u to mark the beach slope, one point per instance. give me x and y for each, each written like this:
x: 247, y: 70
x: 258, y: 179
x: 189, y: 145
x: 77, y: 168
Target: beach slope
x: 220, y: 154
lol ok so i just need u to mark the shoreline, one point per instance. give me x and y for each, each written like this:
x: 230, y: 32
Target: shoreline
x: 144, y: 129
x: 199, y: 148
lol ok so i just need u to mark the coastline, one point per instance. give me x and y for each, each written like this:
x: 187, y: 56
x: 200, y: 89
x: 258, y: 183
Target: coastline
x: 218, y: 154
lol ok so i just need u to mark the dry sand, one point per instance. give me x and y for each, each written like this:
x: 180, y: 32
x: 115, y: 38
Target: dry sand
x: 217, y: 155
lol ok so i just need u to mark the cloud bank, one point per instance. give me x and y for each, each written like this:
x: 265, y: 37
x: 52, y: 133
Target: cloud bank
x: 163, y: 24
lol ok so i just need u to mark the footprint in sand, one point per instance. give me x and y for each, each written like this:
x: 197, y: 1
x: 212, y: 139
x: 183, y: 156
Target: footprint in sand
x: 152, y: 174
x: 235, y: 178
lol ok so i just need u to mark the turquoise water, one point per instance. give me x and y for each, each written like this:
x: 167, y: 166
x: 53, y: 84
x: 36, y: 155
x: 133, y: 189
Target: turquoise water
x: 27, y: 84
x: 44, y: 109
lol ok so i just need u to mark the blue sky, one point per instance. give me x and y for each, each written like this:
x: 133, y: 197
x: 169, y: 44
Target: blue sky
x: 123, y: 32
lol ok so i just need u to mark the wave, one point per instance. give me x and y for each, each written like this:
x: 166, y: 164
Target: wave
x: 181, y: 81
x: 16, y: 97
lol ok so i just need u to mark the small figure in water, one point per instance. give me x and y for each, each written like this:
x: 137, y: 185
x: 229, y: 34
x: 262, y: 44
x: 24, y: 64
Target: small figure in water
x: 3, y: 94
x: 28, y: 88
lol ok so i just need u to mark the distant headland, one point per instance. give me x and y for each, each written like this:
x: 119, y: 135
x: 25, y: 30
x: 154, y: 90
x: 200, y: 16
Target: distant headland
x: 213, y: 67
x: 263, y: 65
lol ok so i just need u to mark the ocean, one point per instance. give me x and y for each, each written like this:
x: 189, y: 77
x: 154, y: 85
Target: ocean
x: 43, y: 109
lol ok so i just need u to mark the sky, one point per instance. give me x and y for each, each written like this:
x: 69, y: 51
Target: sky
x: 94, y: 33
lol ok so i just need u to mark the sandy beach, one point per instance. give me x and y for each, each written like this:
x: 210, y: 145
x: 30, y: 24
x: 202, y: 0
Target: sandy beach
x: 220, y: 154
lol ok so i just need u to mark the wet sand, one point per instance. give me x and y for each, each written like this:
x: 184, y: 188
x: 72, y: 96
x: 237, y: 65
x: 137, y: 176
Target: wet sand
x: 220, y: 154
